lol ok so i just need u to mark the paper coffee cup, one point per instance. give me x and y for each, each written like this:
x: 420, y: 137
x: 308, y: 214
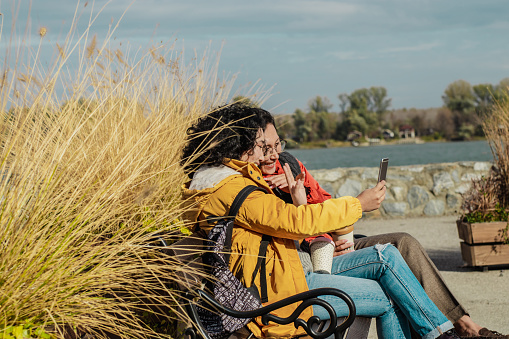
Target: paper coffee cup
x: 322, y: 252
x: 344, y: 233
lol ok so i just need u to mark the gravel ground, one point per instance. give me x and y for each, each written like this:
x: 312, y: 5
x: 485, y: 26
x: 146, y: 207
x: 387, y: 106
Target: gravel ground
x: 484, y: 294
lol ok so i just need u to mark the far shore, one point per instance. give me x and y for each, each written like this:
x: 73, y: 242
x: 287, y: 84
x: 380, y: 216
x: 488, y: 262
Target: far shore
x: 368, y: 142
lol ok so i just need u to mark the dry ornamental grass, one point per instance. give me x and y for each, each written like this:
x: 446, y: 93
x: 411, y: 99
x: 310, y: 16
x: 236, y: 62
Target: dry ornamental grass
x: 89, y: 173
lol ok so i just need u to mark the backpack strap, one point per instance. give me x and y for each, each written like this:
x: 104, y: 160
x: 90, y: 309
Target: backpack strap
x: 287, y: 158
x: 266, y: 239
x: 261, y: 265
x: 234, y: 209
x: 239, y: 199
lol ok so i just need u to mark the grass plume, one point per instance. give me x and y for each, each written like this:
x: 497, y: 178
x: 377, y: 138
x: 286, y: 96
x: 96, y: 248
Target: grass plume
x: 89, y: 168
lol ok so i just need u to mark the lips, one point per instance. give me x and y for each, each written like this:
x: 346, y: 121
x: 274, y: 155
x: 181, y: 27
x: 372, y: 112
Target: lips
x: 269, y: 168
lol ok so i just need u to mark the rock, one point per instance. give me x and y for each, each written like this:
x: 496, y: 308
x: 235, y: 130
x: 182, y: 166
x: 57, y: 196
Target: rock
x: 417, y: 196
x: 354, y: 172
x: 327, y: 187
x: 394, y: 208
x: 434, y: 207
x: 416, y: 169
x: 398, y: 193
x: 462, y: 189
x: 441, y: 180
x: 469, y: 164
x: 470, y: 176
x: 370, y: 173
x: 388, y: 195
x: 396, y: 176
x: 455, y: 176
x: 439, y: 167
x: 482, y: 166
x: 328, y: 175
x: 350, y: 188
x: 372, y: 214
x: 452, y: 200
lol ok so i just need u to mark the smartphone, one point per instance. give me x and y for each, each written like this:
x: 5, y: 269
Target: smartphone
x: 382, y: 172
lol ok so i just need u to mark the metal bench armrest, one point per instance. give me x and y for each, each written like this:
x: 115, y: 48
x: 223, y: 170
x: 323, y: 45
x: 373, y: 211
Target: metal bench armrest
x: 307, y: 299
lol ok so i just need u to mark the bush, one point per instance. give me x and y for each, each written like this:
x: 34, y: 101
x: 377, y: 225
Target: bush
x: 488, y: 198
x: 481, y: 203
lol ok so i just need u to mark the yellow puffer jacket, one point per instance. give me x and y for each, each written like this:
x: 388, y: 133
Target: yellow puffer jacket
x: 212, y: 192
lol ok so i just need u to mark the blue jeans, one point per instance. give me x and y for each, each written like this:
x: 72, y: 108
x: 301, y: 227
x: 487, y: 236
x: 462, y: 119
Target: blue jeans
x: 382, y: 286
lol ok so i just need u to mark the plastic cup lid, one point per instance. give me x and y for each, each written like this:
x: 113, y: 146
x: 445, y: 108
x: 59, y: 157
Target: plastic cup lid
x: 321, y: 239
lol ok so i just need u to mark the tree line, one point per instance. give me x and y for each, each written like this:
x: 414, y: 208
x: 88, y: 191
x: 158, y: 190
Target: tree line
x: 366, y: 113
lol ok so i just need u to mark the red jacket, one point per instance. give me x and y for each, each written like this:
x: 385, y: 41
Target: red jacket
x: 315, y: 193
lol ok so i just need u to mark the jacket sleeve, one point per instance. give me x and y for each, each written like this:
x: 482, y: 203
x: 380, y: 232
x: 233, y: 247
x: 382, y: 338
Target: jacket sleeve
x: 267, y: 214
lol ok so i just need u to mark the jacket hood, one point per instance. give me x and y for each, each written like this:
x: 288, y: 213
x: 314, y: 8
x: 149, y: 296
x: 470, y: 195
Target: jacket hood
x: 209, y: 176
x: 208, y: 179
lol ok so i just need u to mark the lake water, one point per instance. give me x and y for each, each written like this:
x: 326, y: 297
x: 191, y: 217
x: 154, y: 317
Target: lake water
x: 399, y: 155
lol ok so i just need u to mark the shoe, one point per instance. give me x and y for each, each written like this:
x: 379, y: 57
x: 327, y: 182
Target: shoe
x: 451, y: 334
x: 485, y: 333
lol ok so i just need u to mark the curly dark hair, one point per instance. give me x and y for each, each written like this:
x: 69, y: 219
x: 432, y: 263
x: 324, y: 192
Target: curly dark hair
x: 226, y: 132
x: 267, y: 118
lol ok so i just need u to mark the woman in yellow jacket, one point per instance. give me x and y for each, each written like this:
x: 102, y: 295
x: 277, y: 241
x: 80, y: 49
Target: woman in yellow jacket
x: 221, y: 156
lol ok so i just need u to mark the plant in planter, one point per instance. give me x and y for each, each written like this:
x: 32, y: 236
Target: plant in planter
x: 484, y: 224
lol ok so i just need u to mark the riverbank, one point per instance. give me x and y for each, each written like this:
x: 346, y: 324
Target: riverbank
x: 483, y: 294
x: 291, y: 145
x: 412, y: 191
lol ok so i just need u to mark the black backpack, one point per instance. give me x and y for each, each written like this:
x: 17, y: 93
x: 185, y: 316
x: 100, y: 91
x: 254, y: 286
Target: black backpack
x: 225, y: 287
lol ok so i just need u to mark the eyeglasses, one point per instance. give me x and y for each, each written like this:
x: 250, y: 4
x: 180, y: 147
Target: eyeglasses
x: 261, y: 145
x: 279, y: 147
x: 262, y: 148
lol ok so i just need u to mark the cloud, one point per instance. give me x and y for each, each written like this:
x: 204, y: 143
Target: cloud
x: 347, y: 55
x: 227, y: 19
x: 308, y: 47
x: 415, y: 48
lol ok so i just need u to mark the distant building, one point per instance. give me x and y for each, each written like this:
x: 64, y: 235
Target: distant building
x: 353, y: 135
x: 406, y: 132
x: 387, y: 134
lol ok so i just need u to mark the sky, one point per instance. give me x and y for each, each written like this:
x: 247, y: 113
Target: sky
x: 299, y: 49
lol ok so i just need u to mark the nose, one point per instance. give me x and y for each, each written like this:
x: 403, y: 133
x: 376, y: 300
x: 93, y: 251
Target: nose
x: 273, y: 155
x: 261, y: 158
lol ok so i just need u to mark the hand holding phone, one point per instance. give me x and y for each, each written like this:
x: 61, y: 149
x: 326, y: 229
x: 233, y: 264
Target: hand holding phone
x: 382, y: 172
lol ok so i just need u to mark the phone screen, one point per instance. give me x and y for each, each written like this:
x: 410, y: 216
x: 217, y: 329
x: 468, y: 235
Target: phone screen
x: 382, y: 172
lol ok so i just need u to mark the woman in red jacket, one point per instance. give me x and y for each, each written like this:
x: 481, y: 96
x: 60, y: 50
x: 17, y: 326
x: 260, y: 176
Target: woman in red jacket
x: 411, y: 250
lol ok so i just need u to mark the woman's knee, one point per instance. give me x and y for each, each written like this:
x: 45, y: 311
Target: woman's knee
x: 404, y: 242
x: 401, y: 238
x: 385, y: 248
x: 388, y: 252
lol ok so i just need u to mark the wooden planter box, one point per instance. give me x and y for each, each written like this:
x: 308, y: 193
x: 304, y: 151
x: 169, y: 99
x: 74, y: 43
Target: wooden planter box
x: 482, y: 243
